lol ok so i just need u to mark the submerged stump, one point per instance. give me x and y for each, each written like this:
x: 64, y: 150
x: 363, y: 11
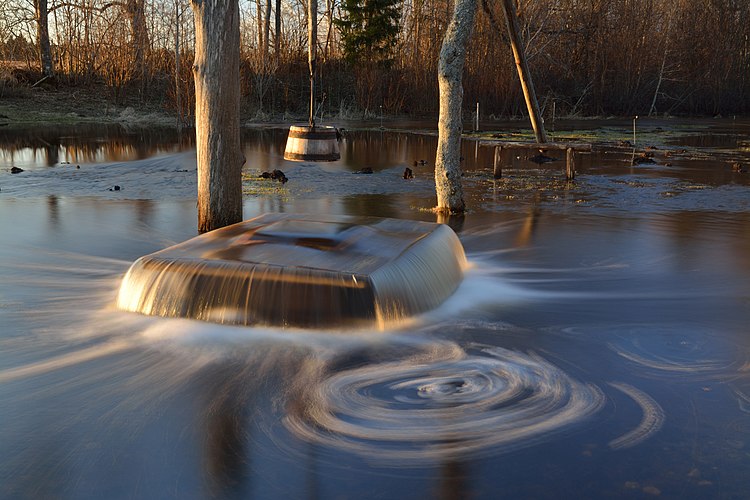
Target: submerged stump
x: 300, y: 270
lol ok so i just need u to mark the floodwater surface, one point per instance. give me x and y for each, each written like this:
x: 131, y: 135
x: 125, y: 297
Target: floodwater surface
x: 599, y: 345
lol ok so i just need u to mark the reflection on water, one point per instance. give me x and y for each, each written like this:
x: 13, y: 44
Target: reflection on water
x: 33, y: 148
x: 52, y: 145
x: 597, y: 348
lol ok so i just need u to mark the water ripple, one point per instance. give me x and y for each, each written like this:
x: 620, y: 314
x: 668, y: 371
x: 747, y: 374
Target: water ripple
x: 653, y: 418
x: 680, y: 352
x: 443, y: 404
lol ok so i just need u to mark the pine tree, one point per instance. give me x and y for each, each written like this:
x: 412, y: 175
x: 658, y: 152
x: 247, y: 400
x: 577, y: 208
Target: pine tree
x: 369, y: 29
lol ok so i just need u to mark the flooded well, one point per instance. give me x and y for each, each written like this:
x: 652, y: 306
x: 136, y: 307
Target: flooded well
x: 597, y: 346
x: 300, y: 270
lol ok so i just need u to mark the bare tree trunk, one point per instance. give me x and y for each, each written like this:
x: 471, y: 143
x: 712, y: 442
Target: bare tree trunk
x: 652, y: 109
x: 330, y: 6
x: 417, y: 13
x: 514, y: 31
x: 277, y: 34
x: 259, y: 13
x: 266, y: 36
x: 450, y: 197
x: 217, y: 122
x: 42, y: 30
x: 177, y: 85
x: 136, y: 12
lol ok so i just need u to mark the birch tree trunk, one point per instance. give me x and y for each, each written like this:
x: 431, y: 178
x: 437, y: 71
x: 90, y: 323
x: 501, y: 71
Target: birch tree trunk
x: 266, y: 36
x: 217, y: 122
x: 450, y: 196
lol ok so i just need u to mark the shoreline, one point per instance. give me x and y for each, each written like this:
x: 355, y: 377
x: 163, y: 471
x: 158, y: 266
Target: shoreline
x: 74, y: 106
x: 44, y: 107
x: 24, y: 120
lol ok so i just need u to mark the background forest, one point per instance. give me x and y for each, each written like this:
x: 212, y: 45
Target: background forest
x: 587, y: 57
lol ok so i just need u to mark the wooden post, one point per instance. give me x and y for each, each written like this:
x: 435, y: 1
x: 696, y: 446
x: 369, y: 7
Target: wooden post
x: 498, y: 168
x: 514, y: 32
x: 570, y: 164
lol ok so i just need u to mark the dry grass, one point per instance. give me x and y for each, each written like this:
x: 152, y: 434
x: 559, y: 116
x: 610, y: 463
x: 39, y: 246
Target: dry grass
x: 9, y: 84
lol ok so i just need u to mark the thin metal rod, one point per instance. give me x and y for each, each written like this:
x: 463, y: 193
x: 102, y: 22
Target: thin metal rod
x: 312, y: 42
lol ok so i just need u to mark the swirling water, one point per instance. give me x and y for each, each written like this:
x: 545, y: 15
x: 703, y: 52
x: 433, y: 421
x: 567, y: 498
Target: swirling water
x: 595, y: 349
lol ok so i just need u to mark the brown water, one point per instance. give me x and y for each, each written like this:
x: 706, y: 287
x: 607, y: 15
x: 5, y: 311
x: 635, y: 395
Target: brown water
x: 598, y: 347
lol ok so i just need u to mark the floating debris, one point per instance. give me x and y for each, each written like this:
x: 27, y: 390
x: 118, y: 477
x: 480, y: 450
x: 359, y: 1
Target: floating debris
x: 540, y: 158
x: 276, y: 175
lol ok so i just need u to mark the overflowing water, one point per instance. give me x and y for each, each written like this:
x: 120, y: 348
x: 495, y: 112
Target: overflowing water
x: 300, y: 270
x: 598, y: 346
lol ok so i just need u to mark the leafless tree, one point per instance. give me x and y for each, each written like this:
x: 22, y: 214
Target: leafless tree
x: 450, y: 197
x: 45, y: 53
x: 217, y: 121
x: 593, y: 57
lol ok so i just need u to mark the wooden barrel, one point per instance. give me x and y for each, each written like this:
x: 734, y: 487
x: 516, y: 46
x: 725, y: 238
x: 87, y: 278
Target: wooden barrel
x: 311, y: 144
